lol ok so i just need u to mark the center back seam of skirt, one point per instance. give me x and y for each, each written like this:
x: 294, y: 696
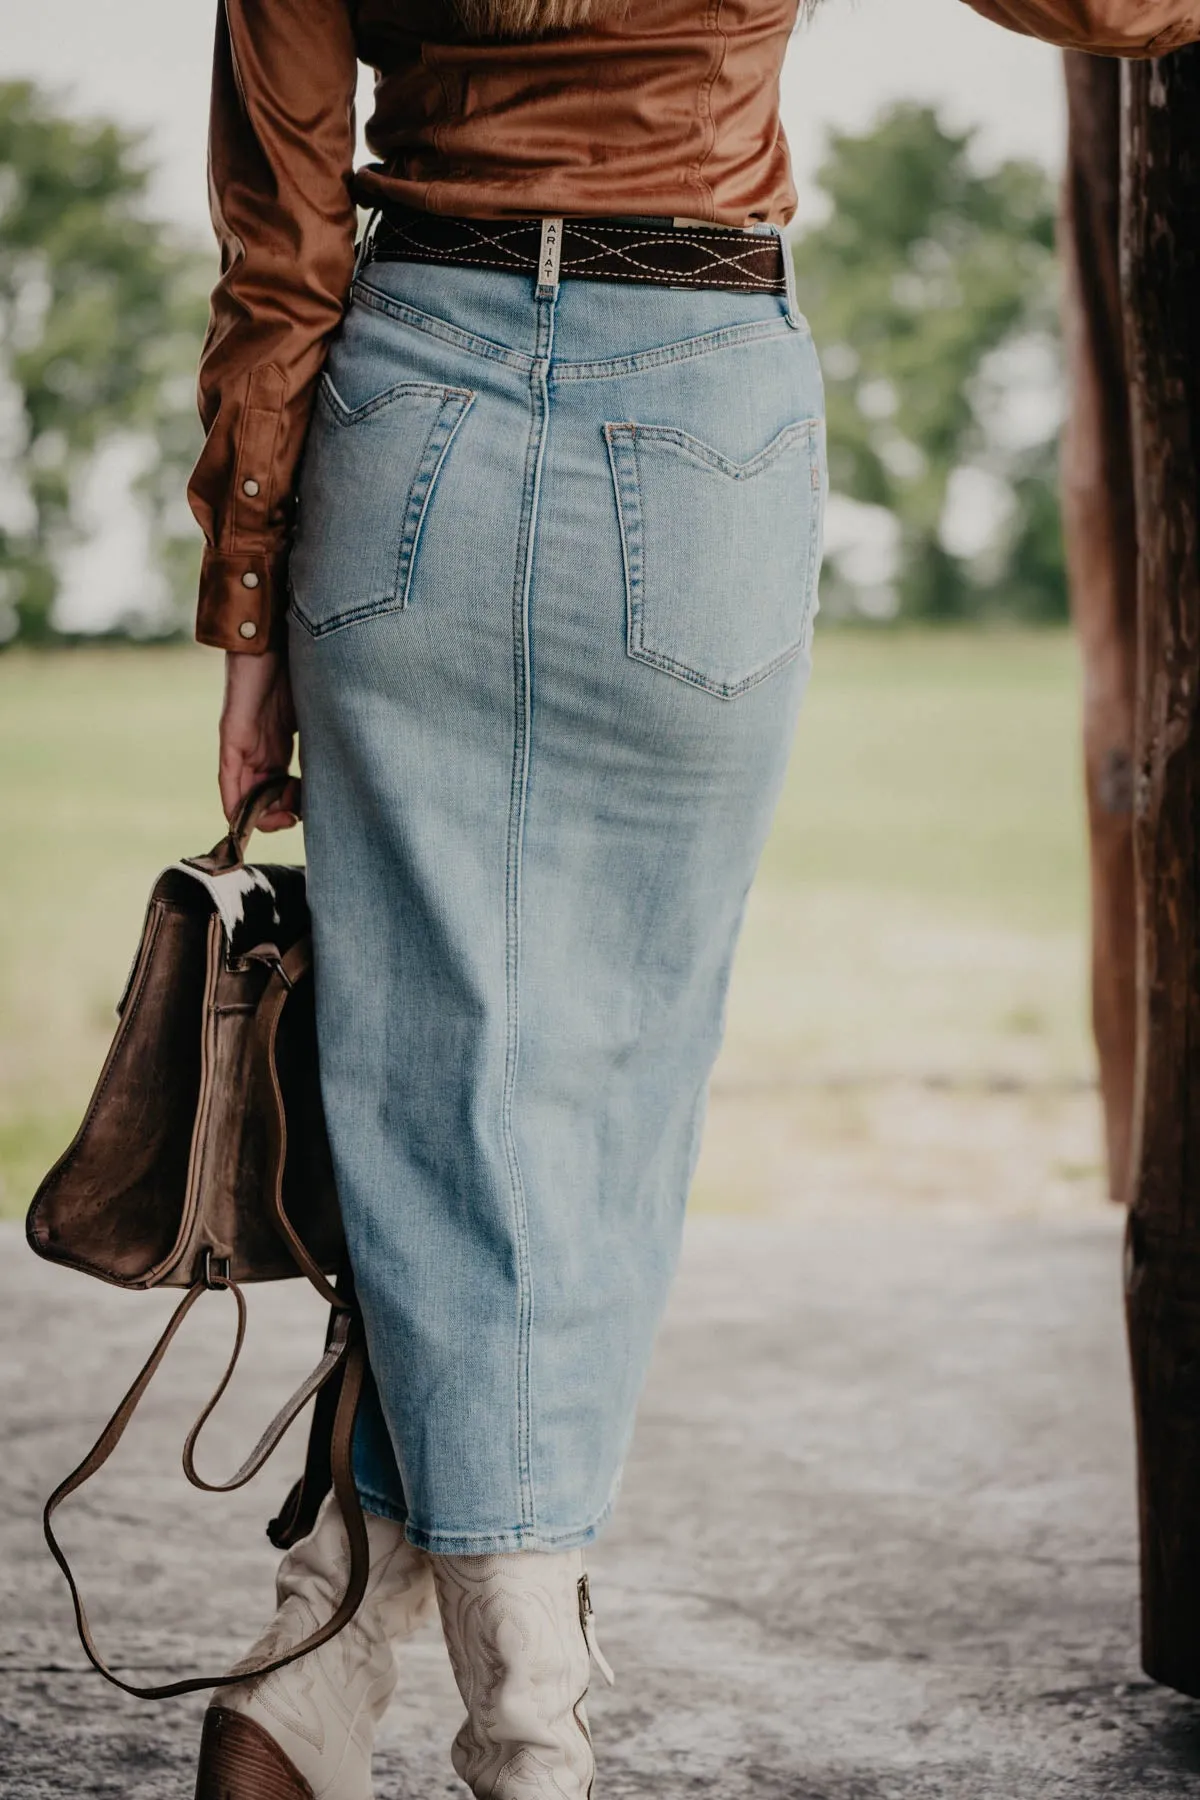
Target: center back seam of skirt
x: 535, y: 450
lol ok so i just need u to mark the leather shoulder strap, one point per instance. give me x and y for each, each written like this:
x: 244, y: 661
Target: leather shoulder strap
x: 336, y: 1352
x: 351, y: 1361
x: 286, y: 971
x: 298, y: 1514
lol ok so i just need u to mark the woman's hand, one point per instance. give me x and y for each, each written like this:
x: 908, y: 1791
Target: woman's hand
x: 258, y: 734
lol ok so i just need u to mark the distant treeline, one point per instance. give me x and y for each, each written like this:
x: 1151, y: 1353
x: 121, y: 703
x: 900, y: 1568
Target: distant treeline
x: 930, y: 287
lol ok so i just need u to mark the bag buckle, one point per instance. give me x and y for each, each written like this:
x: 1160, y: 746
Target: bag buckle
x: 214, y: 1270
x: 271, y: 958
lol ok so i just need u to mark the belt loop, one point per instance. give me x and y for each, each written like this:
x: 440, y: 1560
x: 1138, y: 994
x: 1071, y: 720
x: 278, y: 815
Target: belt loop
x: 795, y: 317
x: 362, y: 253
x: 549, y: 259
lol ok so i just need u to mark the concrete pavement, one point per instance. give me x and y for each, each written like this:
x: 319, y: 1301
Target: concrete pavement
x: 876, y: 1537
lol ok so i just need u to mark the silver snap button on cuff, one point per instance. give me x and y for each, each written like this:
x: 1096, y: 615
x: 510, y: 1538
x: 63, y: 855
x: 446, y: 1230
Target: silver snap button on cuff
x: 250, y: 579
x: 247, y: 629
x: 250, y: 487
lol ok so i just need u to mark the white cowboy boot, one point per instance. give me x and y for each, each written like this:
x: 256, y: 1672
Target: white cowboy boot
x: 520, y: 1634
x: 307, y: 1731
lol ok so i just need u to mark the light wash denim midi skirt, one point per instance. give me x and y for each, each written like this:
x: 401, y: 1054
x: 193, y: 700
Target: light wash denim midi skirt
x: 553, y: 587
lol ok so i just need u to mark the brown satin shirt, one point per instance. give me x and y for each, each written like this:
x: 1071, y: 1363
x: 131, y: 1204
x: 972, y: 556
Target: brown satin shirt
x: 672, y: 110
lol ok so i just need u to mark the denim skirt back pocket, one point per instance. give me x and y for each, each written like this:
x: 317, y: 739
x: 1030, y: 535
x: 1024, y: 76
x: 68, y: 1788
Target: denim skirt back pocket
x: 367, y: 482
x: 721, y: 557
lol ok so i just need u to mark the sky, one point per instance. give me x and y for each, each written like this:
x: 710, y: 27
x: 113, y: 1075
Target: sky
x: 146, y: 64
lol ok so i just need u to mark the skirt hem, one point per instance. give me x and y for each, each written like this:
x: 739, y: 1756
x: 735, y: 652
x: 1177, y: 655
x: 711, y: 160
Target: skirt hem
x: 486, y: 1543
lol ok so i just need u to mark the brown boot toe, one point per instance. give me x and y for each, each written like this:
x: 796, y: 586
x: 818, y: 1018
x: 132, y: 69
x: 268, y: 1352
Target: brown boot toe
x: 241, y: 1761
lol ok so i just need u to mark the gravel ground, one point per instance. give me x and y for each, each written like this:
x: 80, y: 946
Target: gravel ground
x: 876, y: 1538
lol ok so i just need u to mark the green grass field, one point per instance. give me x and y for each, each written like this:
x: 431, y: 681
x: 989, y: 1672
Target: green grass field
x: 920, y: 910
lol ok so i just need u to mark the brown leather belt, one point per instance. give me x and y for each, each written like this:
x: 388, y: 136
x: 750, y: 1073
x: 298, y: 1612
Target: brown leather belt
x: 656, y: 251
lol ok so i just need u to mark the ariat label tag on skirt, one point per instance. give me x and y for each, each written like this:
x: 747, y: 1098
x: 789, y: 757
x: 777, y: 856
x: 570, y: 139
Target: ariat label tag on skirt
x: 549, y: 257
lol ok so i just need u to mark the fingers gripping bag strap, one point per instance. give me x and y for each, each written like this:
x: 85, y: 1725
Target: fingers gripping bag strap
x: 353, y: 1363
x: 253, y: 805
x: 229, y: 852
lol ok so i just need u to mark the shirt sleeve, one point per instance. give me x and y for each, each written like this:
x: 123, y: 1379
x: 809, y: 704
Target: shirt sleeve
x: 1105, y: 27
x: 281, y: 146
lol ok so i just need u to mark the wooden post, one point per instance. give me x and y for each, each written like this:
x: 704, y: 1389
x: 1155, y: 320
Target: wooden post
x: 1161, y: 282
x: 1101, y: 545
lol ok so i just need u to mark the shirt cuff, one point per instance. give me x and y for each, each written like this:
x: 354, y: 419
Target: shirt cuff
x: 243, y: 598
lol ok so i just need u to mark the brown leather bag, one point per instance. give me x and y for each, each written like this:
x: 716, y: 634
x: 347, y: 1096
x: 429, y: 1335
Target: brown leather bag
x: 202, y: 1163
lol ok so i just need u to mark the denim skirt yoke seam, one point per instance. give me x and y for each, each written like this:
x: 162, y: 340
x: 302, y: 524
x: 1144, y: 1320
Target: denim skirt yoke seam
x: 553, y: 589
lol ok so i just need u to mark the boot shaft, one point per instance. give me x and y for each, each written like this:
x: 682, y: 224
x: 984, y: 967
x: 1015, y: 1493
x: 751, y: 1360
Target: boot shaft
x: 308, y: 1729
x: 519, y: 1632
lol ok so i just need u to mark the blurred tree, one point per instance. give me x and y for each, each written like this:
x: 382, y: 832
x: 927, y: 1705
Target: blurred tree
x: 101, y: 313
x: 931, y: 290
